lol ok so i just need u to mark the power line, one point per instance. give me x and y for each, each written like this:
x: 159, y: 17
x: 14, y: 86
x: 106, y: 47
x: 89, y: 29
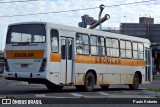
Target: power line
x: 51, y: 12
x: 130, y: 3
x: 18, y: 1
x: 76, y: 9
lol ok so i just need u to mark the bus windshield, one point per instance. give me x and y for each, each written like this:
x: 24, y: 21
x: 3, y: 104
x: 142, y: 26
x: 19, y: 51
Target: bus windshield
x: 26, y: 33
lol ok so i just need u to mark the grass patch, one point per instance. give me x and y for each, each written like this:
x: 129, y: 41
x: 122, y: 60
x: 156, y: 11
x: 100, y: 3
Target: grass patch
x: 154, y: 89
x: 156, y: 78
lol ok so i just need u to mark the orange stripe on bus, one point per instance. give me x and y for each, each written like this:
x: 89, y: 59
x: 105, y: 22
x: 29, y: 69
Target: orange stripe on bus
x: 24, y: 54
x: 55, y: 57
x: 108, y: 60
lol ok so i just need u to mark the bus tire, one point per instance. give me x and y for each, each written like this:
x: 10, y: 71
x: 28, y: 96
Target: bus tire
x: 135, y: 84
x: 104, y: 87
x: 89, y: 81
x: 54, y: 87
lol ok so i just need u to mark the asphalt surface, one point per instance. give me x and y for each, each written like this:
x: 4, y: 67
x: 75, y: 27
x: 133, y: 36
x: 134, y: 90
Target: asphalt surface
x: 21, y: 89
x: 3, y: 81
x: 17, y: 89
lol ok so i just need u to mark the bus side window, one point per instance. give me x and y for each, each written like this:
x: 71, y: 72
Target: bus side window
x: 100, y: 43
x: 126, y: 49
x: 82, y: 44
x: 54, y: 40
x: 70, y: 49
x: 97, y: 45
x: 63, y: 48
x: 135, y: 50
x: 112, y: 47
x: 140, y: 51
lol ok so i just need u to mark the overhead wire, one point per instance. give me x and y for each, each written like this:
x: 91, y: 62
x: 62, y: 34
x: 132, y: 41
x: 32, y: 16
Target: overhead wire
x: 1, y: 2
x: 73, y: 10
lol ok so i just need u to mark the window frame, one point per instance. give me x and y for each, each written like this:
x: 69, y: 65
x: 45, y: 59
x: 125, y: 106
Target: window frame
x: 8, y: 38
x: 98, y: 45
x: 141, y: 51
x: 138, y: 50
x: 126, y: 49
x: 112, y: 47
x: 84, y: 44
x: 51, y: 40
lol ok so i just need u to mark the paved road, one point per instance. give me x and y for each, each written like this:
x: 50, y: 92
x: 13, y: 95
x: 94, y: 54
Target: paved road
x: 18, y: 89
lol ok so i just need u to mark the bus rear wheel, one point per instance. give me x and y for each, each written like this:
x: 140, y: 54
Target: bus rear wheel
x: 89, y: 82
x: 135, y: 84
x: 104, y: 87
x: 54, y: 87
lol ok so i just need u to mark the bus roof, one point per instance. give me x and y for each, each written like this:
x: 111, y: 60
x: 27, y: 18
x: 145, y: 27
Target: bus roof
x: 88, y: 31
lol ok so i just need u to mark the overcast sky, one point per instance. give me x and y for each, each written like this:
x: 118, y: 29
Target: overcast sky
x: 117, y: 13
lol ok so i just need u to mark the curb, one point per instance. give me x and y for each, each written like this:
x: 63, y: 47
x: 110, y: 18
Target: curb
x: 145, y: 92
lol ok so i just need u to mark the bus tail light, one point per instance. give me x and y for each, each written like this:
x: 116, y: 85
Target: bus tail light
x: 6, y: 65
x: 43, y: 65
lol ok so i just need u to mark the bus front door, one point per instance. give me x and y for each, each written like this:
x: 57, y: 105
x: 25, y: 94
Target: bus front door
x: 67, y: 60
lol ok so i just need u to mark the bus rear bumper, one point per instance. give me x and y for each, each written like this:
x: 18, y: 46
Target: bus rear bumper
x: 27, y: 76
x: 31, y: 80
x: 24, y: 75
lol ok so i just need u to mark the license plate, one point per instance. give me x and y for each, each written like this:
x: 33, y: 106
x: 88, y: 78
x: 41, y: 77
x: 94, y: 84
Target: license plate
x: 24, y: 65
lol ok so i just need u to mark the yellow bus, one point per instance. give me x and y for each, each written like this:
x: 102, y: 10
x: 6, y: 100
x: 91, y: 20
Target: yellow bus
x: 59, y: 55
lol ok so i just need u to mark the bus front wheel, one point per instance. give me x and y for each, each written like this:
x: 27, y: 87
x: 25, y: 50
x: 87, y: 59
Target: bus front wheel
x: 89, y: 81
x: 135, y: 84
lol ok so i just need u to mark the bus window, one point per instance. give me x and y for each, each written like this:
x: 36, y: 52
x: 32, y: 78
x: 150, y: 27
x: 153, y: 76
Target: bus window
x: 54, y: 40
x: 18, y: 37
x: 26, y: 33
x: 97, y: 45
x: 63, y: 49
x: 70, y: 42
x: 122, y: 49
x: 126, y: 49
x: 93, y: 45
x: 112, y: 46
x: 39, y: 38
x: 140, y: 51
x: 135, y: 50
x: 82, y: 44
